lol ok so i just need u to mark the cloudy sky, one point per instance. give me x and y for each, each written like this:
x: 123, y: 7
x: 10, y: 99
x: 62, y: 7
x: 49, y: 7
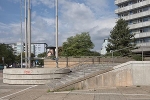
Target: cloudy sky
x: 75, y: 16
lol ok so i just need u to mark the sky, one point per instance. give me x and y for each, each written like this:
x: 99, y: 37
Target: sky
x: 74, y: 17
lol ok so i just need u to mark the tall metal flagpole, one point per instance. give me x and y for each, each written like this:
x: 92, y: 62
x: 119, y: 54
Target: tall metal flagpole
x: 29, y: 34
x: 57, y: 33
x: 26, y: 46
x: 21, y: 30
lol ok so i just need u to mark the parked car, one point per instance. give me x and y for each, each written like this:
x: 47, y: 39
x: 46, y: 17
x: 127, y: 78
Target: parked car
x: 1, y: 66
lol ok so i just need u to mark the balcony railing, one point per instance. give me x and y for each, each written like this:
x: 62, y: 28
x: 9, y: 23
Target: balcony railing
x: 143, y: 44
x: 120, y: 1
x: 142, y: 35
x: 138, y: 15
x: 139, y: 25
x: 133, y: 6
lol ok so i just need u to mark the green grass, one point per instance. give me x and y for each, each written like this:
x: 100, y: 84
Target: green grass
x: 48, y: 90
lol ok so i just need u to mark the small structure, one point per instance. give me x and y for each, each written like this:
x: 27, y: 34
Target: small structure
x: 50, y: 51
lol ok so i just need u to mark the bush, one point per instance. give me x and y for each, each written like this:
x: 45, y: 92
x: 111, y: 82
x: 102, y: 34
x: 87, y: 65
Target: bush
x: 137, y: 57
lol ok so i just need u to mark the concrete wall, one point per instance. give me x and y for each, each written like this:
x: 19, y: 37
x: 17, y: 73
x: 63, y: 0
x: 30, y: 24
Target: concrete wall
x: 32, y: 75
x: 132, y: 73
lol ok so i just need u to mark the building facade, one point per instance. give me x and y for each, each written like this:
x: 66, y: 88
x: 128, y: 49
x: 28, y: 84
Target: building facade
x: 137, y: 15
x: 39, y: 48
x: 17, y: 48
x: 104, y: 45
x: 36, y: 48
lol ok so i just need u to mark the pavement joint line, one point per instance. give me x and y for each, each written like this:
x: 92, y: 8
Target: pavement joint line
x: 17, y: 92
x: 103, y: 93
x: 139, y: 98
x: 15, y: 85
x: 137, y: 94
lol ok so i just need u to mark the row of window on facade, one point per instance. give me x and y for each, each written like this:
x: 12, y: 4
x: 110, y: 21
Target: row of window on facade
x: 36, y: 48
x: 128, y: 3
x: 135, y: 11
x: 139, y: 20
x: 141, y: 30
x: 143, y: 40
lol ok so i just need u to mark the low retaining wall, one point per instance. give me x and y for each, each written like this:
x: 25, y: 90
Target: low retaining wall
x: 32, y: 75
x: 133, y: 73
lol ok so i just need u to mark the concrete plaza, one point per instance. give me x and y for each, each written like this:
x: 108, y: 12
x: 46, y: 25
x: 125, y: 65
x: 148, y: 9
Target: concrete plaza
x: 40, y: 92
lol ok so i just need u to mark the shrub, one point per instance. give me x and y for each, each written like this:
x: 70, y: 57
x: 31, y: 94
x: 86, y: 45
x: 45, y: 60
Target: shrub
x: 137, y: 57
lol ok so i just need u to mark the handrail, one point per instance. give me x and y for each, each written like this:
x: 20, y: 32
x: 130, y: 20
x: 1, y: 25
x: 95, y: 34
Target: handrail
x: 79, y: 65
x: 72, y: 69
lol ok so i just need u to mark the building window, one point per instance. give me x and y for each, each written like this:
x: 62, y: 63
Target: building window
x: 141, y: 30
x: 145, y: 19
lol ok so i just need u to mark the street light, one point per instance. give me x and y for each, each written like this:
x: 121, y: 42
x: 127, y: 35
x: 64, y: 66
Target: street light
x: 142, y: 48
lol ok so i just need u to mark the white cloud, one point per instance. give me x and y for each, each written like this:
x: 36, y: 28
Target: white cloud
x: 10, y: 33
x: 48, y: 3
x: 91, y: 16
x: 75, y: 18
x: 80, y: 17
x: 97, y: 5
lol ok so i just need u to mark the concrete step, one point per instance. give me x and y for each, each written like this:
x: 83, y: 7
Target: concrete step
x: 75, y: 75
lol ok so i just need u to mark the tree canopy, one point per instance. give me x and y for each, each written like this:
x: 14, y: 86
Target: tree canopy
x: 120, y: 39
x: 18, y: 58
x: 44, y: 54
x: 79, y: 45
x: 7, y: 52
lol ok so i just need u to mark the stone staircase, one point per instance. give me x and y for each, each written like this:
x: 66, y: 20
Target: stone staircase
x: 78, y: 73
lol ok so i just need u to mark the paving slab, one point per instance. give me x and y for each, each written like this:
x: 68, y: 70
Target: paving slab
x: 40, y: 92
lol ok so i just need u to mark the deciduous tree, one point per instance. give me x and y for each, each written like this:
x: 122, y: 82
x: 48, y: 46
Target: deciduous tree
x: 79, y: 45
x: 7, y: 52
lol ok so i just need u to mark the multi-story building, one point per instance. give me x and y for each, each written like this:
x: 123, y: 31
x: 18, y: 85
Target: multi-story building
x: 104, y: 45
x: 39, y: 48
x: 36, y: 48
x: 17, y: 47
x: 137, y: 15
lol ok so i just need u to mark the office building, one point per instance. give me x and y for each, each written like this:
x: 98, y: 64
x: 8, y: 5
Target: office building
x: 137, y: 15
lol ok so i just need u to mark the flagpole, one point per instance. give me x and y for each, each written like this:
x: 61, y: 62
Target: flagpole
x: 25, y: 27
x: 21, y: 30
x: 57, y: 33
x: 29, y: 34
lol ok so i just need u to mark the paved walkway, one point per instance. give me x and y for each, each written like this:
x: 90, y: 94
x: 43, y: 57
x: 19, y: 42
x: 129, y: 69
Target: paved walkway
x: 40, y: 92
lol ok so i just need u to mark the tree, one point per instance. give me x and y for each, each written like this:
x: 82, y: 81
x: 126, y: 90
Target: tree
x: 78, y: 45
x: 18, y: 58
x: 7, y: 52
x: 94, y: 53
x: 40, y: 61
x: 44, y: 54
x: 120, y: 39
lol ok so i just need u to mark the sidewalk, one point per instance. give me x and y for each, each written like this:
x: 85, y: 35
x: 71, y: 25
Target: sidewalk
x: 41, y: 93
x: 120, y: 93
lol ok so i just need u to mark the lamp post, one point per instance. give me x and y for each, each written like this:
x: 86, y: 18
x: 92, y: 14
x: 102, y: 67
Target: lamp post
x: 142, y: 53
x: 112, y: 56
x: 3, y: 60
x: 142, y: 49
